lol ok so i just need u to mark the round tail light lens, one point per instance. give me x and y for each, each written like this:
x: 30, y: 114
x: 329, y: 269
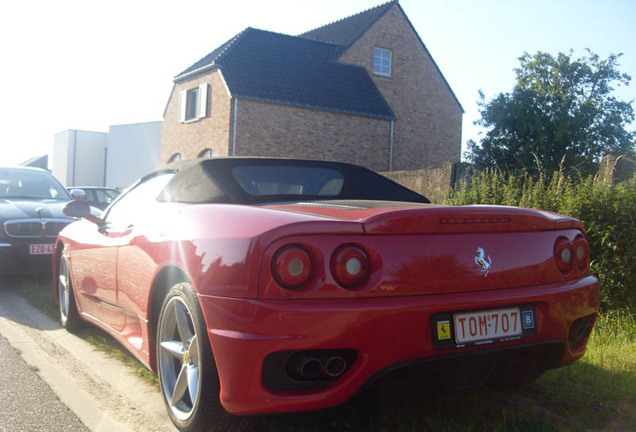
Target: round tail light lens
x: 350, y: 266
x: 291, y: 266
x: 581, y: 253
x: 564, y: 254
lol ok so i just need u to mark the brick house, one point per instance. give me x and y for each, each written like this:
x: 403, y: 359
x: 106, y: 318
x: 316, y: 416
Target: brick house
x: 363, y: 90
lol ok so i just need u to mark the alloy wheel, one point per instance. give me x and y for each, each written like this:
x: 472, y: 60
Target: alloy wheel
x: 179, y: 360
x: 64, y: 291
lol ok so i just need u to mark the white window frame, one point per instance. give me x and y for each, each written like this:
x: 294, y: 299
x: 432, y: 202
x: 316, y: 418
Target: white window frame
x: 201, y: 104
x: 382, y: 62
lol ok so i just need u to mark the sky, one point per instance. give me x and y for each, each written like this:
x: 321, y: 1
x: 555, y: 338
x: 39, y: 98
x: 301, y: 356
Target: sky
x: 88, y: 64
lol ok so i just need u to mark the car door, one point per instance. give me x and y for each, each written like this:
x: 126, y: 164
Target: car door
x: 94, y: 264
x: 95, y: 268
x: 134, y: 214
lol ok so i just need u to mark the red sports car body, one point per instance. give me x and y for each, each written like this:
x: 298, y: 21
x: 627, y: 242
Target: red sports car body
x: 283, y: 285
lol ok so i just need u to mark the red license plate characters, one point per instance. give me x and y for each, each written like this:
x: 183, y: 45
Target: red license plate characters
x: 488, y: 325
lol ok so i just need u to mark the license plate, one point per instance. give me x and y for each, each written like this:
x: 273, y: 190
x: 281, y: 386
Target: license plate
x: 487, y: 325
x: 41, y: 249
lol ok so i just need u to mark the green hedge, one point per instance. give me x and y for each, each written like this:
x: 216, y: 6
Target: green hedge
x: 608, y: 212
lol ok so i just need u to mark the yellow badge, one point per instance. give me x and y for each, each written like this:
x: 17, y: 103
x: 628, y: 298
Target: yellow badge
x: 443, y: 330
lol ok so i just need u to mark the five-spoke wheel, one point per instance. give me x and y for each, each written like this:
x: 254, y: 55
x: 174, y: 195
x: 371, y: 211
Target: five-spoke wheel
x: 179, y: 358
x: 187, y: 372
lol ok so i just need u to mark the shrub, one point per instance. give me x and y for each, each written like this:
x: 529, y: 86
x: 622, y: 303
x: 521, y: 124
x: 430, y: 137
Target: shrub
x: 608, y: 212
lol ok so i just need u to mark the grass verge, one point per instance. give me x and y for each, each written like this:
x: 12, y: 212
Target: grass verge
x: 594, y: 394
x: 40, y: 294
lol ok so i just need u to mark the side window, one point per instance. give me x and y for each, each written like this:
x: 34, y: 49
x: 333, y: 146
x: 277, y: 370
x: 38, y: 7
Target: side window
x: 193, y: 104
x: 382, y: 61
x: 90, y: 195
x: 134, y: 203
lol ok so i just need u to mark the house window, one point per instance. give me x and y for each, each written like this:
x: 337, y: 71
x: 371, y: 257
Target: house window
x: 382, y: 59
x: 192, y: 99
x: 193, y: 104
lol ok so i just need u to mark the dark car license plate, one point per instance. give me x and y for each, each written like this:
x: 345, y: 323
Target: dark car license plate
x: 41, y: 249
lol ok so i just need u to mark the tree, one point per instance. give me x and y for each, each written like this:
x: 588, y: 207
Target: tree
x: 561, y: 110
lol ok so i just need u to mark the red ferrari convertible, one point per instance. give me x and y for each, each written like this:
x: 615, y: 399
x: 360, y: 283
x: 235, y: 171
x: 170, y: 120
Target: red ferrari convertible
x: 270, y: 285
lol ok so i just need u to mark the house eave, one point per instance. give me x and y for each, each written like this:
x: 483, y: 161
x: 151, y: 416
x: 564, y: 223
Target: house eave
x: 198, y: 71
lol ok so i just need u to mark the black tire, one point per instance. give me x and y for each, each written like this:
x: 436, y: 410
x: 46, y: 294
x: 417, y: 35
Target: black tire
x: 69, y: 316
x: 189, y: 380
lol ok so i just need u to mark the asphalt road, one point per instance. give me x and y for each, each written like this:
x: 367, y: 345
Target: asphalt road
x: 52, y: 380
x: 27, y: 403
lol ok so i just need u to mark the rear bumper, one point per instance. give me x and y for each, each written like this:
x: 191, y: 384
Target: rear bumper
x: 386, y: 333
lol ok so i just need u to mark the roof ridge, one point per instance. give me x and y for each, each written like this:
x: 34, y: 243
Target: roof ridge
x: 223, y: 49
x: 232, y: 43
x: 351, y: 16
x: 296, y: 37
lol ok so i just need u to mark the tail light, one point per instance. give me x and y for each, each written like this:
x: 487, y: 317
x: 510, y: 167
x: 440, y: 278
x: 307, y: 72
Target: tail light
x: 350, y: 266
x: 564, y: 254
x: 291, y: 266
x: 581, y: 253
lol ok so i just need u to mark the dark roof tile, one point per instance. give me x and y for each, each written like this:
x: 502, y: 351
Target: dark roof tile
x: 209, y: 59
x: 347, y: 31
x: 268, y: 66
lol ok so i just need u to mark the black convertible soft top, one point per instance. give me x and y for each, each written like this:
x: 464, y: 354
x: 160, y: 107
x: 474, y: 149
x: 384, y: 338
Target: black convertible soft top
x: 241, y: 180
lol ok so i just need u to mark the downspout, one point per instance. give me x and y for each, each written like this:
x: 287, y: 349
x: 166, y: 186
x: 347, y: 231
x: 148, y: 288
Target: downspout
x: 105, y: 164
x: 74, y: 156
x: 391, y: 148
x: 234, y: 127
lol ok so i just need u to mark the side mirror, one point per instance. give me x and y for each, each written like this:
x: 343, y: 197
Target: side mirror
x: 81, y: 209
x: 77, y: 208
x: 78, y: 194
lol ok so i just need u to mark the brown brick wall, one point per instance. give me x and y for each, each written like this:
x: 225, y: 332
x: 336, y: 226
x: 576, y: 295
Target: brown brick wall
x: 428, y: 130
x: 265, y: 129
x: 426, y: 134
x: 434, y: 183
x: 213, y: 131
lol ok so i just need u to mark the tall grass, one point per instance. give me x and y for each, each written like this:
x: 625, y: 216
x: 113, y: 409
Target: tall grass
x: 40, y: 294
x: 599, y: 389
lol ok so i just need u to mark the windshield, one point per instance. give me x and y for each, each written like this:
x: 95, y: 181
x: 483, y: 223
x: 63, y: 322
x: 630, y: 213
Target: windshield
x: 27, y: 184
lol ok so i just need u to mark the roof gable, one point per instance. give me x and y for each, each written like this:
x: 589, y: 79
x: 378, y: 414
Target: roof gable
x: 278, y: 68
x: 347, y: 31
x: 209, y: 60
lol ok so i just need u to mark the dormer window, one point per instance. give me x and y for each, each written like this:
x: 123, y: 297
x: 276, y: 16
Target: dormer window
x: 193, y: 104
x: 382, y: 59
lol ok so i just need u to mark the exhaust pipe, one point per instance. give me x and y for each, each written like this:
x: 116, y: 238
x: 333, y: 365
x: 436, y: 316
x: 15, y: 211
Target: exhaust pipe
x: 335, y: 366
x: 305, y: 367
